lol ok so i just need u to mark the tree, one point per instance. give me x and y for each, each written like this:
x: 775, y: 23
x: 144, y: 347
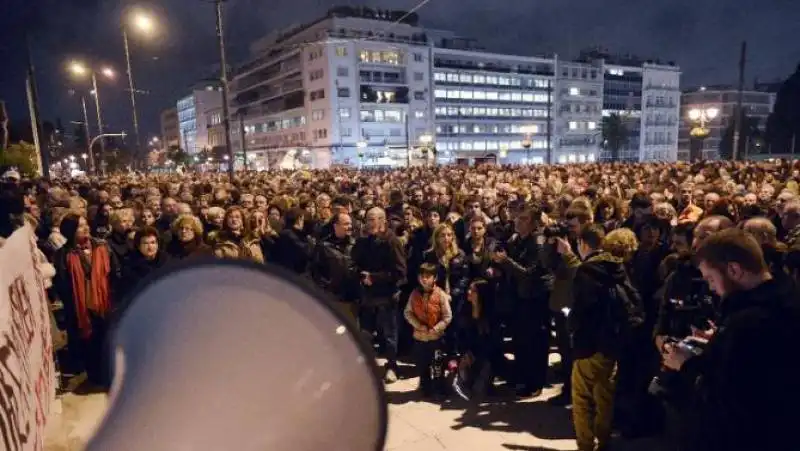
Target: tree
x: 615, y: 134
x: 749, y: 136
x: 783, y: 124
x: 21, y: 156
x: 178, y: 155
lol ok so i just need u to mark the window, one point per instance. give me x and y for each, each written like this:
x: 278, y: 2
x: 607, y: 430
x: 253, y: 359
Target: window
x: 452, y: 94
x: 516, y: 97
x: 341, y: 51
x: 342, y: 71
x: 440, y: 93
x: 573, y: 91
x: 452, y: 78
x: 346, y: 132
x: 466, y: 95
x: 439, y: 76
x: 527, y: 97
x: 479, y: 95
x: 317, y: 95
x: 573, y: 125
x: 419, y: 95
x: 378, y: 57
x: 541, y: 83
x: 504, y: 81
x: 540, y: 97
x: 504, y: 96
x: 419, y: 114
x: 418, y: 57
x: 492, y: 95
x: 395, y: 132
x: 344, y: 113
x: 491, y: 80
x: 419, y: 76
x: 465, y: 78
x: 316, y: 74
x: 343, y: 92
x: 591, y: 125
x: 393, y: 116
x: 316, y: 115
x: 479, y: 79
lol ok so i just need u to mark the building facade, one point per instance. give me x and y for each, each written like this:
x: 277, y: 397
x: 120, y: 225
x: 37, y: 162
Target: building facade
x: 359, y: 88
x: 193, y: 117
x: 756, y: 105
x: 170, y: 128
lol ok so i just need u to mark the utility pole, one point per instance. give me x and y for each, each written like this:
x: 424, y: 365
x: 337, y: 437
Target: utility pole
x: 224, y: 81
x: 549, y: 154
x: 36, y: 122
x: 88, y: 138
x: 99, y: 119
x: 408, y: 142
x: 737, y: 115
x: 138, y: 149
x: 244, y: 139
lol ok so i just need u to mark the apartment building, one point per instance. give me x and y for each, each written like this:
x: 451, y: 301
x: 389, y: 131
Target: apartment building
x: 170, y: 128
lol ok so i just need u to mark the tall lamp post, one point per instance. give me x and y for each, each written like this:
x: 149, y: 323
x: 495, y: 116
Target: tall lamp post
x: 527, y: 131
x: 699, y: 117
x: 80, y: 70
x: 226, y: 120
x: 143, y: 23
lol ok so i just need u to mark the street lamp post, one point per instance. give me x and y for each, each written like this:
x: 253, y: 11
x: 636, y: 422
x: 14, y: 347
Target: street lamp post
x: 144, y: 23
x: 700, y: 118
x: 79, y: 69
x: 526, y: 141
x: 426, y: 141
x: 88, y: 138
x: 226, y: 121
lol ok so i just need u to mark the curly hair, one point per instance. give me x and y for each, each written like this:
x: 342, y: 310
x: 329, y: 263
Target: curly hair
x: 621, y: 243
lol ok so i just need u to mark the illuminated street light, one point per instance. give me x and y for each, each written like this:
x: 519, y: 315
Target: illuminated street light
x: 77, y: 68
x: 108, y: 72
x: 700, y: 118
x: 226, y: 158
x: 426, y: 139
x: 144, y: 23
x: 72, y: 157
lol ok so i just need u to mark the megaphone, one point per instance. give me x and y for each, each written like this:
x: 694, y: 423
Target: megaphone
x: 227, y: 355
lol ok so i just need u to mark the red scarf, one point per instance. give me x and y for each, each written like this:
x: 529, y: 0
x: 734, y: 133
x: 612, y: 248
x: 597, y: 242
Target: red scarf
x: 98, y: 284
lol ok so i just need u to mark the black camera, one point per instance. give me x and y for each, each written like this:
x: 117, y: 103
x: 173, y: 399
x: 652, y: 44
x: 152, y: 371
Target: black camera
x: 668, y: 384
x: 557, y: 230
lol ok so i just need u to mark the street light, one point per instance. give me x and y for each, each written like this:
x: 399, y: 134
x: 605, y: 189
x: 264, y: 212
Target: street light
x: 700, y: 117
x: 80, y: 69
x: 528, y: 130
x: 145, y: 24
x: 84, y: 156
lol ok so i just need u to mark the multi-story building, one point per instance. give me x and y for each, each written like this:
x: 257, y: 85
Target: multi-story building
x: 192, y: 116
x: 170, y: 128
x: 490, y: 107
x: 373, y: 88
x: 756, y: 105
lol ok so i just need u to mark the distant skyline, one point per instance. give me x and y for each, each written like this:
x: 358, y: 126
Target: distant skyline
x: 702, y: 36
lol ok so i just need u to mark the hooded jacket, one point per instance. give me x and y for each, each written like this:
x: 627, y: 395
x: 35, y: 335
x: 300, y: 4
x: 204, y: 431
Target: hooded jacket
x: 604, y: 307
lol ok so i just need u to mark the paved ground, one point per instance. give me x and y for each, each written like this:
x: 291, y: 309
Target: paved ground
x: 414, y: 424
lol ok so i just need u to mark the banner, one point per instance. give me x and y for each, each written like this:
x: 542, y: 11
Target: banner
x: 27, y: 380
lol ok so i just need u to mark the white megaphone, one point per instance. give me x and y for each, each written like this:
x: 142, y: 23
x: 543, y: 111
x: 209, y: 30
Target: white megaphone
x: 224, y: 355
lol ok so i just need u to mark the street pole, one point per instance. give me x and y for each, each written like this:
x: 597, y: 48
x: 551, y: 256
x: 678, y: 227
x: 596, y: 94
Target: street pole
x: 244, y: 140
x: 137, y: 150
x: 88, y: 138
x: 737, y: 115
x: 99, y: 119
x: 36, y: 122
x: 408, y: 142
x: 224, y: 80
x: 549, y: 155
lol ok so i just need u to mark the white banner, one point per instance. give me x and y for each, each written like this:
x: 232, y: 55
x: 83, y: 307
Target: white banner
x: 27, y: 377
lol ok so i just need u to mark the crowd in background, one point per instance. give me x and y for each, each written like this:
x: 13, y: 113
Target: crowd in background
x: 612, y: 264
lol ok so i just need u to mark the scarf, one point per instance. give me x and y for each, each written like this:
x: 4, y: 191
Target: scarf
x: 427, y: 307
x: 100, y: 267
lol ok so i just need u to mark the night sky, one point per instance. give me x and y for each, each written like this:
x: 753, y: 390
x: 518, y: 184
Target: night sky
x: 702, y: 36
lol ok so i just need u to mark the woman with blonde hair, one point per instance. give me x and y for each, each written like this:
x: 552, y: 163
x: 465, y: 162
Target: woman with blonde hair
x: 452, y: 274
x: 187, y: 238
x: 621, y: 243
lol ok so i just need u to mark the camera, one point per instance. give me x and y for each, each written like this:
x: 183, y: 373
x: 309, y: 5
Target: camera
x: 667, y: 384
x: 557, y: 230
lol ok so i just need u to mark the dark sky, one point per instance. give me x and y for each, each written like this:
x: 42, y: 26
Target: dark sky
x: 702, y: 36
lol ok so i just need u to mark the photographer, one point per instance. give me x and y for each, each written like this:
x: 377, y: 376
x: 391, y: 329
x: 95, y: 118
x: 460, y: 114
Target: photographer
x: 745, y: 389
x: 603, y: 314
x: 526, y: 285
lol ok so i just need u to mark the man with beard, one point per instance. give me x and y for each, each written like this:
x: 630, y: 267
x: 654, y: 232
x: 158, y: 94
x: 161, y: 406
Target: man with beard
x: 380, y: 264
x: 331, y: 265
x: 527, y: 286
x: 86, y: 272
x: 744, y: 382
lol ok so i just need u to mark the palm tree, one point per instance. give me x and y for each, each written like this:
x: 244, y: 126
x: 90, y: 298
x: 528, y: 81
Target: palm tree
x: 615, y: 134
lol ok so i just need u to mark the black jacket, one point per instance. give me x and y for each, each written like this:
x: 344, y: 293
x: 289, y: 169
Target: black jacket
x: 120, y: 245
x: 686, y: 301
x: 136, y: 267
x: 384, y: 258
x: 746, y: 390
x: 418, y: 243
x: 179, y: 251
x: 604, y: 310
x: 332, y: 268
x: 292, y: 250
x: 455, y: 276
x: 526, y: 279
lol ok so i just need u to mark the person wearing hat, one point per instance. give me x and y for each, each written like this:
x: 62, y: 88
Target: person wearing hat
x: 86, y: 272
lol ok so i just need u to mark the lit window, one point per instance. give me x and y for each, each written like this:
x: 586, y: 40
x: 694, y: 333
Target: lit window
x: 479, y: 95
x: 452, y: 94
x: 572, y: 157
x: 590, y: 157
x: 491, y: 95
x: 491, y: 80
x: 341, y: 51
x: 452, y: 78
x: 574, y: 91
x: 344, y: 113
x: 493, y: 112
x: 540, y: 98
x: 466, y: 145
x: 393, y: 116
x: 504, y: 96
x: 527, y: 97
x: 562, y: 159
x: 479, y: 79
x: 516, y: 97
x: 465, y: 78
x: 378, y: 115
x: 466, y: 94
x: 439, y: 76
x: 479, y: 145
x: 419, y: 114
x: 591, y: 125
x: 440, y: 93
x: 573, y: 125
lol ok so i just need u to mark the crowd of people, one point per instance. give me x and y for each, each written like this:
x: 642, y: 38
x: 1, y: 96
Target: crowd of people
x: 667, y: 289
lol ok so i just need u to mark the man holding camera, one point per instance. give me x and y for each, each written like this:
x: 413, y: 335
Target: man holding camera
x: 527, y: 286
x: 745, y: 381
x: 603, y: 313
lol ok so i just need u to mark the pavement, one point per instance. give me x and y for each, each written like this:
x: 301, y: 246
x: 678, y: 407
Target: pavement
x: 414, y: 424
